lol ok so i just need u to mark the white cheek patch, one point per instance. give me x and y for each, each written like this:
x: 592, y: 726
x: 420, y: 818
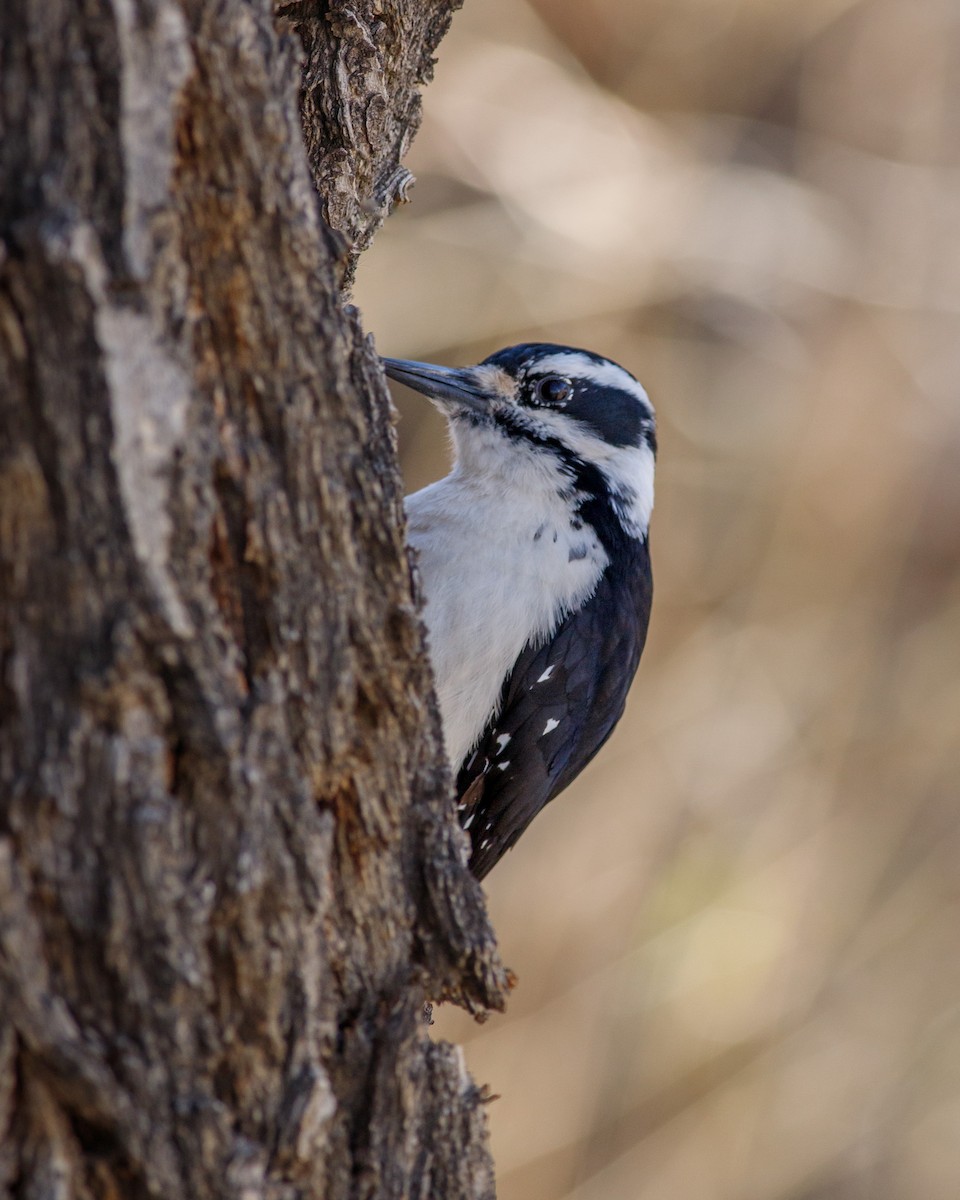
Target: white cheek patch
x: 629, y: 470
x: 630, y: 473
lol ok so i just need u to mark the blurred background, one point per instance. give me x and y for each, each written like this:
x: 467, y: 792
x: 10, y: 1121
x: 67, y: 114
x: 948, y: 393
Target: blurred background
x: 738, y: 935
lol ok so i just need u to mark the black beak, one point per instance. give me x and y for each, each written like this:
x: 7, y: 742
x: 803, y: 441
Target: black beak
x: 452, y: 387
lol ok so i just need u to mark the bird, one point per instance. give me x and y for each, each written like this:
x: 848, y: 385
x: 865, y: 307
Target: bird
x: 533, y: 554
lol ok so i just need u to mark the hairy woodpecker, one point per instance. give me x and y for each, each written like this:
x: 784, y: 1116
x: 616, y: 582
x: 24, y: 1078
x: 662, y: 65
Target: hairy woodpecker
x: 536, y: 571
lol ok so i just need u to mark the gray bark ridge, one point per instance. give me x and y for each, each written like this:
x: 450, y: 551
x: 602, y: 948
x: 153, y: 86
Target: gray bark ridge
x: 230, y: 875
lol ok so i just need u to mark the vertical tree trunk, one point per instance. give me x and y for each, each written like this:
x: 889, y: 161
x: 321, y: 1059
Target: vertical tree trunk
x: 229, y: 873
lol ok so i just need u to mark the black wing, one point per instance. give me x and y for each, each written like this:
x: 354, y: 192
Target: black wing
x: 558, y: 706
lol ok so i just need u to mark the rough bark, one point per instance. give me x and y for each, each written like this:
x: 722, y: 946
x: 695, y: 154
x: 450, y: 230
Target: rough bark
x: 360, y: 101
x: 230, y: 876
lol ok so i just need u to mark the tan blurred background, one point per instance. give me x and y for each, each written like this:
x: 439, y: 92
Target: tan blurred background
x: 738, y: 935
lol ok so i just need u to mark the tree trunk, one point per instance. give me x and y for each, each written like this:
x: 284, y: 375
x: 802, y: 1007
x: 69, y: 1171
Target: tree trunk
x: 230, y: 875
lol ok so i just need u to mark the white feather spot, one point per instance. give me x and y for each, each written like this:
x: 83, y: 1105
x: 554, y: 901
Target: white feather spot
x: 469, y: 821
x: 502, y: 742
x: 503, y: 766
x: 550, y: 726
x: 547, y: 673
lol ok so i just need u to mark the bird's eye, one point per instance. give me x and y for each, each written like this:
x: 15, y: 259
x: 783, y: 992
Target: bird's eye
x: 553, y: 389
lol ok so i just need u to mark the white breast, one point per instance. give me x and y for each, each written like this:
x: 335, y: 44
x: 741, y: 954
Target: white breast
x: 501, y: 564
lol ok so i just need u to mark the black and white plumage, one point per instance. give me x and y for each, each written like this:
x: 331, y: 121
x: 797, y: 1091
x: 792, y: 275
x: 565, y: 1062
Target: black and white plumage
x: 536, y: 571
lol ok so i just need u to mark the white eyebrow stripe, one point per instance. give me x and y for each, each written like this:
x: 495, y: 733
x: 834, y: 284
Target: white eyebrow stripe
x: 605, y: 374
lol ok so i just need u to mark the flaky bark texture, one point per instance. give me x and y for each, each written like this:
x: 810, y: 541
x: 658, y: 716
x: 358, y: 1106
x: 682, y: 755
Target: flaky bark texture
x: 364, y: 65
x: 229, y: 873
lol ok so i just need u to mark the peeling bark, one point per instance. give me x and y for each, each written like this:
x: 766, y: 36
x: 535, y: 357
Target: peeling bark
x: 230, y: 876
x: 365, y: 62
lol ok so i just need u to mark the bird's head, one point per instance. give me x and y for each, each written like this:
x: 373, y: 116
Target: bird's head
x: 573, y: 414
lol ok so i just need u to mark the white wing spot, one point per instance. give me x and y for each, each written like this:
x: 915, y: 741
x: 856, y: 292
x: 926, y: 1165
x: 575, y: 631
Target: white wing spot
x: 550, y: 726
x: 502, y: 742
x: 503, y: 766
x: 469, y: 821
x: 547, y: 673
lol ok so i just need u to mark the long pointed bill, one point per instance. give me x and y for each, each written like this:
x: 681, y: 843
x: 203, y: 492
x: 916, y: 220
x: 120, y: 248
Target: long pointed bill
x: 449, y: 386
